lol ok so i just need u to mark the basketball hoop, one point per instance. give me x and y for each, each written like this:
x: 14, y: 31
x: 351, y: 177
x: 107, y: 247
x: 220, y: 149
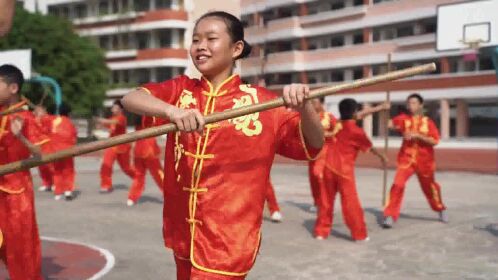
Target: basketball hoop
x: 471, y: 53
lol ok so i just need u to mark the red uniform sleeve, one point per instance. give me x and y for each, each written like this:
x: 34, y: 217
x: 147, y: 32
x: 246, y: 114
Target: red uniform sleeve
x: 362, y: 142
x: 433, y: 131
x: 32, y: 131
x: 290, y: 139
x: 65, y: 130
x: 168, y: 91
x: 399, y: 122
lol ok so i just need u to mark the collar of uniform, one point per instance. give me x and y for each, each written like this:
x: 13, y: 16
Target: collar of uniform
x: 14, y: 106
x: 222, y: 88
x: 348, y: 122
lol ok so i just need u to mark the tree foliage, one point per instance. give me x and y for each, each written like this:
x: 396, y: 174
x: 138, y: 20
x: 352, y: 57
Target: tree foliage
x: 75, y: 62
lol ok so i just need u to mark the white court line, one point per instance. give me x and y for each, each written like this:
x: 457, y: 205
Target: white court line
x: 109, y: 257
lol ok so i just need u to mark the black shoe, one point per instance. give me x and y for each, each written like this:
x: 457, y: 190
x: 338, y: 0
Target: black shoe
x: 388, y: 222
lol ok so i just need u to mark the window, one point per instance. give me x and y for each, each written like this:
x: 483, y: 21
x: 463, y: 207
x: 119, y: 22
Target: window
x: 164, y: 73
x: 485, y: 63
x: 142, y: 76
x: 337, y: 76
x: 404, y: 31
x: 337, y: 6
x: 357, y: 74
x: 142, y: 5
x: 104, y: 42
x: 482, y: 119
x: 163, y: 4
x: 142, y: 40
x: 164, y: 37
x: 81, y: 11
x: 358, y: 38
x: 337, y: 41
x: 53, y: 10
x: 103, y: 7
x: 64, y: 11
x: 358, y: 2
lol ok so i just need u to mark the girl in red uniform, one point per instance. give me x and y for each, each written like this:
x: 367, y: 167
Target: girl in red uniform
x: 146, y: 157
x: 63, y: 135
x: 117, y: 126
x: 216, y: 175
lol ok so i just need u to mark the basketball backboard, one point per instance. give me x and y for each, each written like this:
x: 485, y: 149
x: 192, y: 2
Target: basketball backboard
x: 469, y: 24
x: 19, y: 58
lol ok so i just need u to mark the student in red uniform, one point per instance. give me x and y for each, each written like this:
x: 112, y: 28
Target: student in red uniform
x: 272, y: 203
x: 339, y: 175
x: 117, y: 126
x: 216, y: 175
x: 20, y: 137
x: 317, y: 166
x: 46, y: 171
x: 146, y: 157
x: 64, y: 136
x: 416, y: 156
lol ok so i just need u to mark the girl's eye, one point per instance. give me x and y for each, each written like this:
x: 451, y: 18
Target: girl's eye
x: 195, y: 40
x: 212, y: 39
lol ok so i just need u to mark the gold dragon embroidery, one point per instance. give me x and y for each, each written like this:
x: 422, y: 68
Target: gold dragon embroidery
x: 249, y: 124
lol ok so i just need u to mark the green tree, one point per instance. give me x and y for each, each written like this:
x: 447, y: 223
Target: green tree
x: 75, y: 62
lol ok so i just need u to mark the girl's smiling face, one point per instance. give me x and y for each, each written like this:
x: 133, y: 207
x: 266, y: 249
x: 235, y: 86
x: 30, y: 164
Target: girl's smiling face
x: 213, y: 50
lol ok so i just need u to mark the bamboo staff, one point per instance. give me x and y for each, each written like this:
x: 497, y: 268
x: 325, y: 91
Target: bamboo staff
x: 386, y: 138
x: 213, y: 118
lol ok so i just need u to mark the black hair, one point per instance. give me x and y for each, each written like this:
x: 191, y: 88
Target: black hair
x: 235, y: 29
x: 64, y: 109
x: 417, y: 96
x: 322, y: 100
x: 348, y: 107
x: 118, y: 102
x: 12, y: 75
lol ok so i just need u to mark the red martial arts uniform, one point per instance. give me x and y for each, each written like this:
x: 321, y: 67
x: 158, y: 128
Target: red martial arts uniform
x: 316, y: 167
x: 339, y: 177
x: 146, y: 157
x: 64, y: 136
x: 20, y: 250
x: 271, y: 199
x: 216, y: 183
x: 415, y: 157
x: 121, y: 153
x: 47, y: 170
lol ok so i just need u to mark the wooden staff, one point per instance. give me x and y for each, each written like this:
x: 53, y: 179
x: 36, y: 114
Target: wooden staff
x: 213, y: 118
x: 386, y: 138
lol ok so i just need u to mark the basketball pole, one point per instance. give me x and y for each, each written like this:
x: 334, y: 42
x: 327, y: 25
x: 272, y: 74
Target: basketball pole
x: 386, y: 137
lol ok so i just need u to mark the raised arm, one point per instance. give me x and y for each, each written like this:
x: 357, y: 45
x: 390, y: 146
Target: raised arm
x: 372, y: 110
x: 142, y: 103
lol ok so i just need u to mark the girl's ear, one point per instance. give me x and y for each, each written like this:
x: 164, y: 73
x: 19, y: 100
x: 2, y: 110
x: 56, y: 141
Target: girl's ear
x: 238, y: 47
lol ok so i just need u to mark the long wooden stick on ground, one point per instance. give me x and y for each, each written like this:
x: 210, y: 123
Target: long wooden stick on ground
x: 213, y: 118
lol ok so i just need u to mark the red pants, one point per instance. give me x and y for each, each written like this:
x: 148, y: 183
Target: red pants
x: 141, y: 166
x: 352, y: 211
x: 315, y: 172
x: 110, y: 156
x: 271, y: 199
x: 64, y: 177
x: 431, y: 189
x: 47, y: 174
x: 185, y: 271
x: 20, y: 250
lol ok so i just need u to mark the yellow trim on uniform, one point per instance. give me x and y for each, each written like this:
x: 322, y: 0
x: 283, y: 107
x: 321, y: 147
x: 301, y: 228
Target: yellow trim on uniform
x: 196, y: 175
x: 146, y: 90
x: 1, y: 238
x: 3, y: 189
x: 208, y: 156
x: 303, y: 142
x: 39, y: 143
